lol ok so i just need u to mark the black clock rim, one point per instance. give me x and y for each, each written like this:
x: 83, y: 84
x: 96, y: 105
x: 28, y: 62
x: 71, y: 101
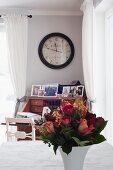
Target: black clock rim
x: 41, y: 54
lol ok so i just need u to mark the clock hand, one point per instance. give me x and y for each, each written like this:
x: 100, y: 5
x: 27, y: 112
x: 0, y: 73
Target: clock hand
x: 53, y: 49
x: 56, y: 47
x: 49, y: 48
x: 59, y: 51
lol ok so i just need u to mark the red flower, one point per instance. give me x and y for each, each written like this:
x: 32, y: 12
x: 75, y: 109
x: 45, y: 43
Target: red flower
x: 49, y: 126
x: 91, y: 118
x: 67, y: 108
x: 83, y: 127
x: 66, y: 119
x: 56, y: 124
x: 99, y: 119
x: 88, y: 130
x: 49, y: 117
x: 90, y: 115
x: 64, y: 103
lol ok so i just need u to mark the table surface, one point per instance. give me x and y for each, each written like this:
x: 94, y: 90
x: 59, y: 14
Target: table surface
x: 15, y: 124
x: 29, y: 155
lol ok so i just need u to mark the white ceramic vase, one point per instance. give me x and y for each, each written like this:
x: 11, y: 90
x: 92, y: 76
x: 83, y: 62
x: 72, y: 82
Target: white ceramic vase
x: 75, y: 159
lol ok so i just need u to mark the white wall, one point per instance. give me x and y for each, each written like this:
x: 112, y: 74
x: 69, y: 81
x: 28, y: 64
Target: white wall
x: 38, y: 27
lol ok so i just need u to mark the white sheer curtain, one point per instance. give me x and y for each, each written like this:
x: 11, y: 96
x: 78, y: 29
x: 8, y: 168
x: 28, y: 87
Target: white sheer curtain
x: 98, y: 66
x: 109, y: 77
x: 87, y: 48
x: 16, y: 32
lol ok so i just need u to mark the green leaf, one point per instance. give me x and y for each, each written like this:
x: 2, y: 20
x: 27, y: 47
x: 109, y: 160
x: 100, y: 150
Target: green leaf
x: 55, y: 147
x: 45, y: 139
x: 67, y: 148
x: 83, y: 143
x: 99, y: 126
x: 75, y: 116
x: 99, y: 138
x: 79, y: 142
x: 76, y: 140
x: 59, y: 140
x: 67, y: 132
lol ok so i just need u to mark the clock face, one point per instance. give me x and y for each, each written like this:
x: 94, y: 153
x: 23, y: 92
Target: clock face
x: 56, y: 50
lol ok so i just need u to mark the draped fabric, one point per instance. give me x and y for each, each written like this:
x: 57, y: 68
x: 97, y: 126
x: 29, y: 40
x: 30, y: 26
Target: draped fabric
x: 97, y: 55
x: 87, y: 49
x: 16, y: 32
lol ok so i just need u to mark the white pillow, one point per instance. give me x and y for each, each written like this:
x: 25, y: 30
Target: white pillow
x: 28, y: 115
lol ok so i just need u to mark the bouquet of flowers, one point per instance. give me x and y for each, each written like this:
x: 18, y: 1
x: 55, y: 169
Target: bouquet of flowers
x: 71, y: 125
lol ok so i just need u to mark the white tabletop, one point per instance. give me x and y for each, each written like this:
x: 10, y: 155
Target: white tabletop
x: 38, y: 156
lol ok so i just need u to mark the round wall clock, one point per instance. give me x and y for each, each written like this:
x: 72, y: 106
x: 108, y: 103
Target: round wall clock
x: 56, y: 50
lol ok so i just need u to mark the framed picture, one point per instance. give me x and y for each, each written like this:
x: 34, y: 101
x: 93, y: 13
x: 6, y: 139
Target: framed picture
x: 35, y: 89
x: 73, y: 90
x: 80, y: 90
x: 65, y: 91
x: 50, y: 90
x: 40, y: 92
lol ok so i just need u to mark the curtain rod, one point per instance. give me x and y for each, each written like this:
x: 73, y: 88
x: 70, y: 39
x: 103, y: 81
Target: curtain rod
x: 30, y: 16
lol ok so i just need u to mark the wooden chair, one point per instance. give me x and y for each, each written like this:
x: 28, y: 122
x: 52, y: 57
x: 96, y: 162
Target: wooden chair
x: 19, y: 134
x: 45, y: 110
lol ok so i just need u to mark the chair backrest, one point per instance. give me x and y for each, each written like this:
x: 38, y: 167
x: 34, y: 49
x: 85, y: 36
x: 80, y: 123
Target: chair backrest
x: 45, y: 110
x: 19, y: 134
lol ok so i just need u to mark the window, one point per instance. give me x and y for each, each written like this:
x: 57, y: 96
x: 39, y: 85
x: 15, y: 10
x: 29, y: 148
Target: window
x: 6, y: 89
